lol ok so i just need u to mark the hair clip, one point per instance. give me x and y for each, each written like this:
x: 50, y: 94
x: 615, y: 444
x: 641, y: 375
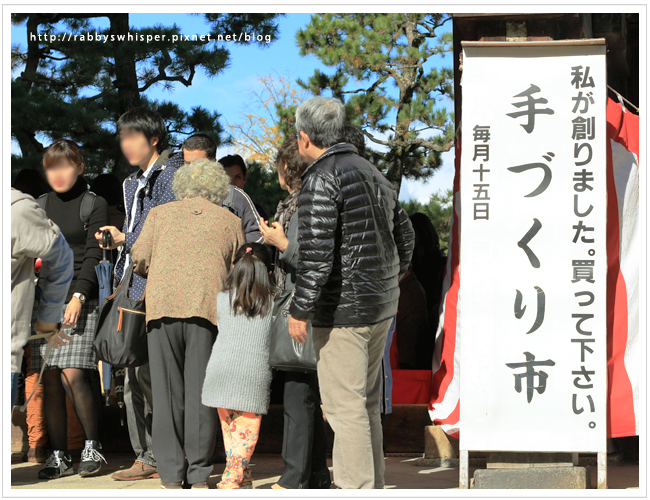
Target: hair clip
x: 249, y: 250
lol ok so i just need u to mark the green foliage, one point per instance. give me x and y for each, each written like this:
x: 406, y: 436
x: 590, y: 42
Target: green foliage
x: 78, y: 89
x: 439, y: 210
x: 263, y: 187
x: 370, y: 52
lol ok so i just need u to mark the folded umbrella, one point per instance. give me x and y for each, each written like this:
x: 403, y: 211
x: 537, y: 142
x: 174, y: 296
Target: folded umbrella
x: 120, y: 374
x: 104, y: 272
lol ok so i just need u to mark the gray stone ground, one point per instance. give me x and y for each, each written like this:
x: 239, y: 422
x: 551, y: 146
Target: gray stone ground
x: 401, y: 473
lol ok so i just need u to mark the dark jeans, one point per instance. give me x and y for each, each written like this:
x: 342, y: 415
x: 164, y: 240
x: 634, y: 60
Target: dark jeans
x: 304, y: 445
x: 179, y: 351
x: 138, y: 400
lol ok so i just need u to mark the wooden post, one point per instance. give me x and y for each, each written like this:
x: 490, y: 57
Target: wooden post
x: 602, y: 470
x: 464, y: 470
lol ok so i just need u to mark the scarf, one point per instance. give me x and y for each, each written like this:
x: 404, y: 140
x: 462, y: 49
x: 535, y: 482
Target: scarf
x: 286, y: 210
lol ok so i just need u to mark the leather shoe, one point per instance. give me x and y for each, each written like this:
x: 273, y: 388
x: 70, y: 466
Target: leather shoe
x: 137, y: 471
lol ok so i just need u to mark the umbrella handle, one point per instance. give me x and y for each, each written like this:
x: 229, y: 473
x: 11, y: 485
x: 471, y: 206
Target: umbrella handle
x: 106, y: 241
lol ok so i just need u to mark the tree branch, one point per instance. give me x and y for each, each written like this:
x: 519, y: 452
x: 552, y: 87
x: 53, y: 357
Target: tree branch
x: 163, y: 76
x: 99, y: 96
x: 378, y: 141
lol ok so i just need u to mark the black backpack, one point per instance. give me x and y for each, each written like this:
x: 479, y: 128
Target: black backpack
x: 85, y: 209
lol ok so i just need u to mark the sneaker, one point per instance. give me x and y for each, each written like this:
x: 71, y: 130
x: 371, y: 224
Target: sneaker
x: 138, y: 470
x: 56, y: 466
x: 203, y: 485
x: 91, y: 459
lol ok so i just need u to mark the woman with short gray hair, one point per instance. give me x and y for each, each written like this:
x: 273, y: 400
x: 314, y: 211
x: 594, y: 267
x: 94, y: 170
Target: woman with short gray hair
x: 185, y: 251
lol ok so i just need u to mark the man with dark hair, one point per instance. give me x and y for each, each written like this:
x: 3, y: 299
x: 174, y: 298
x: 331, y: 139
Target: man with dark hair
x: 238, y: 202
x: 142, y: 133
x: 235, y: 167
x: 141, y: 122
x: 199, y: 146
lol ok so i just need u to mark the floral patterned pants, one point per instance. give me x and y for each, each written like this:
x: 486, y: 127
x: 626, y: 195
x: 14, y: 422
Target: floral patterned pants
x: 240, y: 432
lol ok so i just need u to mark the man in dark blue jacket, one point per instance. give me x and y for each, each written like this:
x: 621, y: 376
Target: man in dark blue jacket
x: 142, y: 133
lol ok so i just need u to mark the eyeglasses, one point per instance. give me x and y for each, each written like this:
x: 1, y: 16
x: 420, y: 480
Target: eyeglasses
x: 297, y: 136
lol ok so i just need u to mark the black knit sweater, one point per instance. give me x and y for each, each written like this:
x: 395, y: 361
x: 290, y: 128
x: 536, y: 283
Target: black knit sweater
x: 63, y: 210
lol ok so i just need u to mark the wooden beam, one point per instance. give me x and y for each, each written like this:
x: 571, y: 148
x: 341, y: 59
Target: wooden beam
x: 584, y: 41
x: 498, y: 15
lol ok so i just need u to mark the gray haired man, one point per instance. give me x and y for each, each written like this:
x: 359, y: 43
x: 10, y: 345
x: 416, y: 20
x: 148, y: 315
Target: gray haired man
x: 355, y: 242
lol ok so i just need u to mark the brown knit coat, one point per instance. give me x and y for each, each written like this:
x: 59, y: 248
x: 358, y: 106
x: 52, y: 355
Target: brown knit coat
x: 185, y: 251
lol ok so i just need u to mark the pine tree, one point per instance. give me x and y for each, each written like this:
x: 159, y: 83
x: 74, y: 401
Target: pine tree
x: 374, y: 51
x: 78, y: 88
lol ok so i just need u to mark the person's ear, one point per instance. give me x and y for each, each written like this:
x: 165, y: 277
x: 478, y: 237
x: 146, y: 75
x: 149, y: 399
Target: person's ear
x: 306, y: 140
x: 153, y: 141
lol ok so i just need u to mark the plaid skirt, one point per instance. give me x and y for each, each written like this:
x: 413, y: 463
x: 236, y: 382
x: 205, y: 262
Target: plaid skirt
x: 79, y: 353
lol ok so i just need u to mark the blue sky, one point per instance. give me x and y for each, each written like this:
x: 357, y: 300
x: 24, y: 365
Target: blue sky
x: 228, y: 94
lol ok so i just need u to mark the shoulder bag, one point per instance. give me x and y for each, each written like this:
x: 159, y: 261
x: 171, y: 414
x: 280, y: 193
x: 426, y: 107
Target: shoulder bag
x: 285, y: 353
x: 121, y: 333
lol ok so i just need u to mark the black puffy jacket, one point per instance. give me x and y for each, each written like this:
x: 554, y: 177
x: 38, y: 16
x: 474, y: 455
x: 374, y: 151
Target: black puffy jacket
x: 355, y: 242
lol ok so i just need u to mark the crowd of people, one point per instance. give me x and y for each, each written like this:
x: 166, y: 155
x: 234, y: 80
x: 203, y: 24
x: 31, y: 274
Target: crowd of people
x: 361, y: 271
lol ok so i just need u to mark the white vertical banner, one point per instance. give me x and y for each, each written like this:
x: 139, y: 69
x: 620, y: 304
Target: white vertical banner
x: 533, y: 258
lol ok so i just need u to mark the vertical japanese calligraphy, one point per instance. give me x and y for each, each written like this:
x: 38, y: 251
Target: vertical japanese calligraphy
x: 583, y: 134
x: 481, y: 151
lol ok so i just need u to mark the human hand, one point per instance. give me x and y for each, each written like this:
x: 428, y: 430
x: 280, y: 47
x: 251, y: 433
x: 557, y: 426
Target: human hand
x: 274, y: 235
x: 71, y: 315
x: 117, y: 237
x: 298, y: 329
x: 60, y: 339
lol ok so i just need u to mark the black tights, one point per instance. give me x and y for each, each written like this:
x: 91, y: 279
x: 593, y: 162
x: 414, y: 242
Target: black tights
x: 56, y: 383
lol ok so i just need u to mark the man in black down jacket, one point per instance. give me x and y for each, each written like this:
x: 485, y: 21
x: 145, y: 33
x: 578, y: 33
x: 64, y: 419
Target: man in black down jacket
x: 355, y: 242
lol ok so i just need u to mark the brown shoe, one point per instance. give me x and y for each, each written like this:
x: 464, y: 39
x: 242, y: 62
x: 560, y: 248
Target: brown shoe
x: 137, y: 471
x: 171, y: 486
x: 203, y: 485
x: 36, y: 455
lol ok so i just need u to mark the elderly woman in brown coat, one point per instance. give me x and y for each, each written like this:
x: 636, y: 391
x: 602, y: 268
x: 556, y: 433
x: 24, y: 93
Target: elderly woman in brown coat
x: 185, y: 251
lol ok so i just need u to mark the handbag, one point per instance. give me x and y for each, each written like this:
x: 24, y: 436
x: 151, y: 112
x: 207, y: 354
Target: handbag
x: 121, y: 332
x: 285, y: 354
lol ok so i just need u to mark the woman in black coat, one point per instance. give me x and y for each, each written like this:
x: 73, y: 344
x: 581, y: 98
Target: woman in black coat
x: 79, y: 214
x: 304, y: 443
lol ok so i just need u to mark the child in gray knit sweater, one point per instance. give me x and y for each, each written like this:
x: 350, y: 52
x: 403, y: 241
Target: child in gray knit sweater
x: 238, y: 377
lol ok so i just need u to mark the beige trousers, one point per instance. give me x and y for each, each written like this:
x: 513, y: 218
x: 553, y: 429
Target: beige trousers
x: 349, y: 374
